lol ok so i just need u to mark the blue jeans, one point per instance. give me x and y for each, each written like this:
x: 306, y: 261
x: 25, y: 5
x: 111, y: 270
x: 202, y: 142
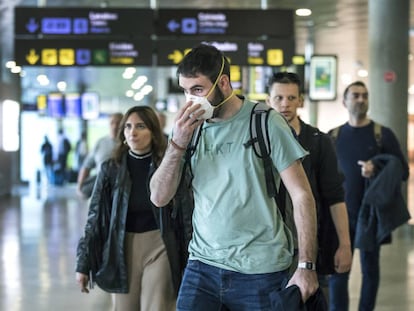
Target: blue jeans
x: 338, y: 284
x: 208, y: 288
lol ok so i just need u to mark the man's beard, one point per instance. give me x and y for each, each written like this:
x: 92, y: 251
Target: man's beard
x: 217, y: 99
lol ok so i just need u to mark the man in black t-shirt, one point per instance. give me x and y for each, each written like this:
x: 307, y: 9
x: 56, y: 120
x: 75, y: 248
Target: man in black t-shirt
x: 322, y: 171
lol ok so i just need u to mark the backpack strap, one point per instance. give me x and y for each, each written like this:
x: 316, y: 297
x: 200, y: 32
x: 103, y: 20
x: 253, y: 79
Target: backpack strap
x: 335, y: 132
x: 259, y: 140
x: 378, y: 135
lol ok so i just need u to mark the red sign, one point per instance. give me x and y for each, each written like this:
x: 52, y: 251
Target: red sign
x: 390, y: 76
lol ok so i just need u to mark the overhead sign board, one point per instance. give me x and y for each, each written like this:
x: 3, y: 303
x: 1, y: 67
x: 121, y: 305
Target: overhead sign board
x: 223, y: 22
x: 115, y: 36
x: 83, y: 21
x: 239, y: 52
x: 56, y: 52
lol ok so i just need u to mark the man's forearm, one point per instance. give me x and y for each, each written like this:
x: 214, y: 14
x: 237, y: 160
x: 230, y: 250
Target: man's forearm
x: 164, y: 182
x: 340, y: 219
x: 306, y: 226
x: 304, y: 209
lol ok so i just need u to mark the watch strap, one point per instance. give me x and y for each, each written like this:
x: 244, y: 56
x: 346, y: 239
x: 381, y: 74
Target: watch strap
x: 308, y: 265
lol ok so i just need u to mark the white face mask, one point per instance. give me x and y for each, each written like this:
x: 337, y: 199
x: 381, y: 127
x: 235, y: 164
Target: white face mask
x: 205, y: 105
x: 203, y: 101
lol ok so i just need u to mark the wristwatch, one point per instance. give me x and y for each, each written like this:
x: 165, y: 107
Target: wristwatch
x: 308, y: 265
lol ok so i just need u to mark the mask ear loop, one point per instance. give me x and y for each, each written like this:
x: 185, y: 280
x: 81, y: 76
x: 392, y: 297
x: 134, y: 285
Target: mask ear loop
x: 218, y: 77
x: 215, y: 83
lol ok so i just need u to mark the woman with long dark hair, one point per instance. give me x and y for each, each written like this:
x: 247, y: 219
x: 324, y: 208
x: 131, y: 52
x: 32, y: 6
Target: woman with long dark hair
x: 129, y: 245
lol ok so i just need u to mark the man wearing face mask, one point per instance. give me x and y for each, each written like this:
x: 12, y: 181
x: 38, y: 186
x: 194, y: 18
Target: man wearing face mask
x: 240, y: 250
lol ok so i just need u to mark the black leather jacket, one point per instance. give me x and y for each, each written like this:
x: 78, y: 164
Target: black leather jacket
x: 111, y: 275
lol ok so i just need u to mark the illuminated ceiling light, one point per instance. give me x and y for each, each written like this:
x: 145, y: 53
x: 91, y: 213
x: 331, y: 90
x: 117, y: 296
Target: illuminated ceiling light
x: 43, y: 80
x: 10, y: 64
x: 139, y: 82
x: 130, y: 70
x: 410, y: 56
x: 142, y: 79
x: 138, y: 96
x: 129, y: 93
x: 303, y: 12
x: 129, y: 73
x: 363, y: 73
x: 16, y: 69
x: 127, y: 76
x: 61, y: 85
x: 146, y: 89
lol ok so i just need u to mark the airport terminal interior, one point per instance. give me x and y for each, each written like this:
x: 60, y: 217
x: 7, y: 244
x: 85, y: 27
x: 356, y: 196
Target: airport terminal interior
x: 41, y: 221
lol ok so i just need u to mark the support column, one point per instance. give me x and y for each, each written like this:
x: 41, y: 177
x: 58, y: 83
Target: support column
x: 388, y: 31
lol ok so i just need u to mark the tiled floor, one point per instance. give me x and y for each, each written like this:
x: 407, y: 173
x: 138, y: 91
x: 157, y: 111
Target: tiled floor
x: 39, y: 230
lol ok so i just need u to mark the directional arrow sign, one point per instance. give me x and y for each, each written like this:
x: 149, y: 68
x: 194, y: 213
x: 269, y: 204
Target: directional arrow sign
x: 78, y: 52
x: 222, y: 22
x: 32, y: 26
x: 173, y: 25
x: 241, y: 52
x: 70, y: 21
x: 176, y: 56
x: 32, y: 57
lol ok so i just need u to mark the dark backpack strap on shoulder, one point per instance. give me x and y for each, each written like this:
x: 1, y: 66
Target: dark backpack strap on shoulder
x: 261, y: 145
x: 378, y: 135
x: 335, y: 132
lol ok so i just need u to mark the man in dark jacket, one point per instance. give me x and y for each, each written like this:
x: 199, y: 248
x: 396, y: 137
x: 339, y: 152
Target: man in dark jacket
x: 323, y: 174
x: 357, y: 164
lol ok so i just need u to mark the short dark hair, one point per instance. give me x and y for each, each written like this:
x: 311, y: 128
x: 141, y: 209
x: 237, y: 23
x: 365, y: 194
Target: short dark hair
x: 356, y: 83
x: 203, y: 59
x: 284, y: 78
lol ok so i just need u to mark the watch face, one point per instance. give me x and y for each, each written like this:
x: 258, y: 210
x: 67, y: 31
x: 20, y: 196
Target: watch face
x: 309, y: 265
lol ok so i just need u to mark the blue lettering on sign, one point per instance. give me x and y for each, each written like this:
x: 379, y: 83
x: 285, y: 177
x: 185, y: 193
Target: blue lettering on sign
x: 80, y: 25
x: 189, y: 25
x: 83, y: 57
x: 56, y: 25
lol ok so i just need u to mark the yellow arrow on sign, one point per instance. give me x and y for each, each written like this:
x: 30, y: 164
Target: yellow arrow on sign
x: 32, y: 57
x: 176, y: 56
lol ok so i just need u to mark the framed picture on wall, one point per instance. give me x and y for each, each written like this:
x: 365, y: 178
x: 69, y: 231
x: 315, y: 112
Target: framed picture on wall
x: 323, y: 78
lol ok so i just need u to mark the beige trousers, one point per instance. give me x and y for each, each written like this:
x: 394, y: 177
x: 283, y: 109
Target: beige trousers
x: 149, y: 275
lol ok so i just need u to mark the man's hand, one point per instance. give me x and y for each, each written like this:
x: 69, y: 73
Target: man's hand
x: 343, y: 259
x: 306, y: 280
x: 186, y: 122
x: 367, y: 168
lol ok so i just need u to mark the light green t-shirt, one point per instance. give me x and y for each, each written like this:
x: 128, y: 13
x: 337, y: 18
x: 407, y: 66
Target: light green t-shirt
x: 236, y: 225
